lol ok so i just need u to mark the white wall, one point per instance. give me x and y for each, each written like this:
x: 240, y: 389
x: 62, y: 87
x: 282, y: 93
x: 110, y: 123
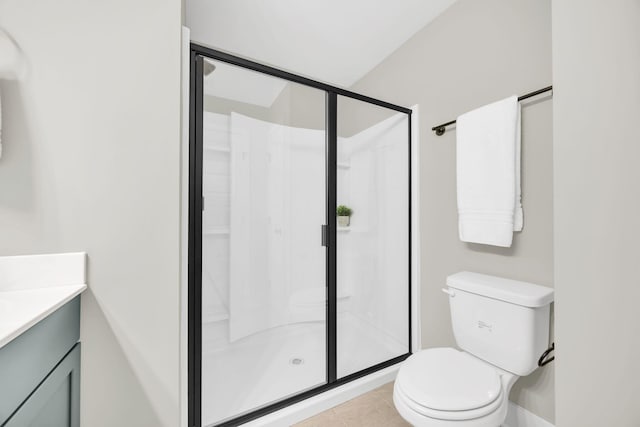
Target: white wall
x: 477, y: 52
x: 596, y: 73
x: 91, y: 163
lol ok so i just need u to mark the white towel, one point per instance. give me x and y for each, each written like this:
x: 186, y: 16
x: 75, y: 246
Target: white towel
x: 488, y: 173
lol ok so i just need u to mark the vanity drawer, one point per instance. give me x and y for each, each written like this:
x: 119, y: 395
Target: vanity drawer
x: 26, y: 361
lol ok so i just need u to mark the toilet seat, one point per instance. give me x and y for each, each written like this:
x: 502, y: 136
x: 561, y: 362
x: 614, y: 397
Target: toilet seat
x: 449, y: 385
x: 446, y: 415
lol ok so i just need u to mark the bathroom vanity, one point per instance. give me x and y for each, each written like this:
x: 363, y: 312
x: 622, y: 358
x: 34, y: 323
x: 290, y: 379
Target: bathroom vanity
x: 39, y: 339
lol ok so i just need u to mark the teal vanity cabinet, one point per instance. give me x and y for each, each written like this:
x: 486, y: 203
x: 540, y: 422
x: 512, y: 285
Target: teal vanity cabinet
x: 40, y: 372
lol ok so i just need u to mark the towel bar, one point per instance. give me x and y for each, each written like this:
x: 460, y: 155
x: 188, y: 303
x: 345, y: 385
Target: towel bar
x: 440, y: 129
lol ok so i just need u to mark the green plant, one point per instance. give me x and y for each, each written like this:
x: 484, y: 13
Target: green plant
x: 343, y: 210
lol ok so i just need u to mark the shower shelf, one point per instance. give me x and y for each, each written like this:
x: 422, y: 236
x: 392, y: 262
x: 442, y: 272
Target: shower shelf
x: 216, y: 231
x: 214, y: 317
x: 343, y: 165
x: 218, y: 149
x: 343, y: 229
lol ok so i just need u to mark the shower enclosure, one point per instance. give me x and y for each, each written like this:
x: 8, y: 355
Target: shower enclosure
x: 283, y: 302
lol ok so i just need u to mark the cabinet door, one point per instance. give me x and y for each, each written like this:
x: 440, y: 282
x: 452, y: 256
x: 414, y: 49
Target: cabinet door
x: 27, y: 360
x: 56, y: 401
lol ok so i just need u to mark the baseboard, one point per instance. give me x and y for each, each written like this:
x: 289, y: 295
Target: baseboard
x: 520, y: 417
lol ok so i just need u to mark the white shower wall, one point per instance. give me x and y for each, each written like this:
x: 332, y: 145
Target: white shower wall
x: 373, y: 256
x: 264, y: 189
x: 216, y: 218
x: 256, y: 175
x: 278, y: 206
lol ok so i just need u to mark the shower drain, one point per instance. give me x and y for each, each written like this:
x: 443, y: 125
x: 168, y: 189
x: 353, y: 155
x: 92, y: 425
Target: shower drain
x: 296, y: 361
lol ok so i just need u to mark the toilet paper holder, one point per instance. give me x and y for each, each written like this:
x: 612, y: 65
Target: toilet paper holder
x: 543, y: 359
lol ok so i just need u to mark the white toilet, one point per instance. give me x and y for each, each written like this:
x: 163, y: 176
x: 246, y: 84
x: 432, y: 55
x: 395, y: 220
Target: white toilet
x: 502, y: 327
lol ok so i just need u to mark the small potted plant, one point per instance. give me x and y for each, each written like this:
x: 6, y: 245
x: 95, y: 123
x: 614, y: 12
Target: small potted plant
x: 344, y: 215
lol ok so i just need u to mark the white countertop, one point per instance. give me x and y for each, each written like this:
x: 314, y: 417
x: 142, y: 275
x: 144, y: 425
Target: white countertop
x: 20, y: 310
x: 34, y: 286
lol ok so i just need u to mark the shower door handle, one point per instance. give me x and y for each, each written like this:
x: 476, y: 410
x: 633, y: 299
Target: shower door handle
x: 324, y: 229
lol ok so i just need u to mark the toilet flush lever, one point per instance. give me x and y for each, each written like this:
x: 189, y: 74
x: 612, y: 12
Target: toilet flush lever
x: 449, y: 292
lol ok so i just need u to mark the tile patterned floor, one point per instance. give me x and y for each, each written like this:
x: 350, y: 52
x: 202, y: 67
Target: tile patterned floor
x: 373, y: 409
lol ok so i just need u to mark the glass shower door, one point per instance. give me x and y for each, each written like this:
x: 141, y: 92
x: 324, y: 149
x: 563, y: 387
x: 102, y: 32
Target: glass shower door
x: 287, y: 301
x: 373, y: 242
x: 263, y: 263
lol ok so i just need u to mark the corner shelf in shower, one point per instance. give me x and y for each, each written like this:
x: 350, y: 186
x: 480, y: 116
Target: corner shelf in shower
x: 216, y: 231
x: 218, y: 149
x: 214, y: 317
x: 343, y: 165
x: 343, y: 229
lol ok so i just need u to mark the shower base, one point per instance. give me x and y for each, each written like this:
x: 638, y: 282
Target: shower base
x: 284, y: 361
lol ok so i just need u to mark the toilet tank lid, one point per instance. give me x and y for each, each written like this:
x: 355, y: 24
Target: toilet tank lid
x: 512, y: 291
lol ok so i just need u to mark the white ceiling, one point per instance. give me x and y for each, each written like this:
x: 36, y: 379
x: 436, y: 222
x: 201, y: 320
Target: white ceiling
x: 335, y: 41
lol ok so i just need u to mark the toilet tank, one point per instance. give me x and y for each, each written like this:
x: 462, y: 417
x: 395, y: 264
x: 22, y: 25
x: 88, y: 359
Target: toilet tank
x: 504, y: 322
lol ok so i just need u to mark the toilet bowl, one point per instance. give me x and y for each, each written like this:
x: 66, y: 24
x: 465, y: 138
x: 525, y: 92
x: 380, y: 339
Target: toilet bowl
x: 443, y: 387
x: 501, y: 327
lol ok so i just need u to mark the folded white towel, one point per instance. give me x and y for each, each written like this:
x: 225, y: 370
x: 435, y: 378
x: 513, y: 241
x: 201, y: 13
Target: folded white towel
x: 488, y: 173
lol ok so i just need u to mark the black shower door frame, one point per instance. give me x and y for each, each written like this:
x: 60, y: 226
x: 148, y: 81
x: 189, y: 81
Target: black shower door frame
x: 194, y: 305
